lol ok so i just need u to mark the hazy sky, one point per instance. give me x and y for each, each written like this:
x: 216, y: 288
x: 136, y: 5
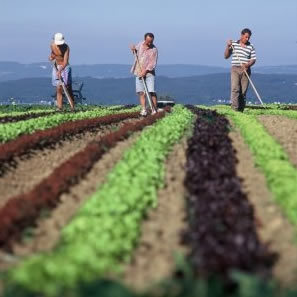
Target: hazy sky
x: 186, y: 31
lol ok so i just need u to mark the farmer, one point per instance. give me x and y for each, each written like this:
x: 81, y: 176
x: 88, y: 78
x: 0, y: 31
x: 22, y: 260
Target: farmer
x: 60, y: 53
x: 148, y: 56
x: 243, y: 58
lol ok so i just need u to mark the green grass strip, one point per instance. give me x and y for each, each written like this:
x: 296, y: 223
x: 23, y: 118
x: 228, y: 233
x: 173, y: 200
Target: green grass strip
x: 104, y: 232
x: 275, y: 111
x: 38, y: 109
x: 23, y: 108
x: 19, y: 108
x: 11, y: 131
x: 269, y: 155
x: 18, y: 113
x: 116, y: 106
x: 287, y: 113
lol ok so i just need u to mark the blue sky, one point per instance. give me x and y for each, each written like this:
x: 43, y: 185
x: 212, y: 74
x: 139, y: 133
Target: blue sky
x: 188, y: 31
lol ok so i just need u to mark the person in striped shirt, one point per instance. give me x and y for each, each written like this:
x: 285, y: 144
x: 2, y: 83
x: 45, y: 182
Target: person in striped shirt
x: 243, y: 58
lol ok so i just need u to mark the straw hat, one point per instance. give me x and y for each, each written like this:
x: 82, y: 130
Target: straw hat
x: 59, y: 39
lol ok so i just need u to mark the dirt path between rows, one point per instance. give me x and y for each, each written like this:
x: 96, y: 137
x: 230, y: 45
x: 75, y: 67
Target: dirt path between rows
x: 273, y: 228
x: 32, y: 169
x: 46, y: 235
x: 284, y: 130
x: 154, y: 258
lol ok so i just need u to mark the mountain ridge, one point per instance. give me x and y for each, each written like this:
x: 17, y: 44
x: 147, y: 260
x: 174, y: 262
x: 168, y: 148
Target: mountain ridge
x: 201, y: 89
x: 15, y: 70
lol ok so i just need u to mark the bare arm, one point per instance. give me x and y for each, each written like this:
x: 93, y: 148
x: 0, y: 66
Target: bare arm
x: 253, y: 57
x: 133, y: 48
x: 228, y: 50
x: 52, y: 55
x: 250, y: 63
x: 66, y: 58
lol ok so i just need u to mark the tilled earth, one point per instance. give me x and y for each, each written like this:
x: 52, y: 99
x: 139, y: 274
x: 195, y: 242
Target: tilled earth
x: 273, y: 227
x: 32, y: 169
x: 284, y: 130
x: 46, y: 234
x: 154, y: 259
x: 222, y: 231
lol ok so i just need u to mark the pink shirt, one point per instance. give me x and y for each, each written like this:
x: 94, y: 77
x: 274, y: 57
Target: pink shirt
x: 147, y: 58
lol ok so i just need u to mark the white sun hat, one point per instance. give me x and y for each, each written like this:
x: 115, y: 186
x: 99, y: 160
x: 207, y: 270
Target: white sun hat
x: 59, y: 39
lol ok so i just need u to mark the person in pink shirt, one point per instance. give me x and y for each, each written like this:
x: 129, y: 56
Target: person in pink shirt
x: 148, y: 57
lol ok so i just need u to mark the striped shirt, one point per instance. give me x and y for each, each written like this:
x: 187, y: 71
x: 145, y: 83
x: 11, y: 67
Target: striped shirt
x: 243, y: 54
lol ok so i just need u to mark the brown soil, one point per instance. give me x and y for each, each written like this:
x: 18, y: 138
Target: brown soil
x: 32, y: 169
x: 284, y: 130
x: 154, y: 258
x: 46, y: 235
x: 274, y: 228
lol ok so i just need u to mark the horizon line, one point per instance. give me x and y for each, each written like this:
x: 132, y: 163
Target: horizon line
x: 163, y: 64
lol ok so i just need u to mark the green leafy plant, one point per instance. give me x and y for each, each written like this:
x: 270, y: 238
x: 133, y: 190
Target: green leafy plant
x: 17, y: 113
x: 281, y: 175
x: 11, y: 131
x: 105, y: 230
x: 271, y: 110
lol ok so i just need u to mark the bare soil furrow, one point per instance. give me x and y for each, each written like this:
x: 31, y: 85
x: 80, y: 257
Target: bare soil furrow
x: 23, y: 211
x: 285, y: 132
x: 222, y: 232
x: 47, y: 231
x: 273, y: 227
x: 24, y: 144
x: 32, y: 169
x: 154, y: 260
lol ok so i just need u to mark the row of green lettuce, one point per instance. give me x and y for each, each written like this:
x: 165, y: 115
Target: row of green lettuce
x: 276, y: 112
x: 18, y: 109
x: 104, y: 232
x: 184, y: 283
x: 20, y: 113
x: 11, y: 131
x: 269, y: 155
x: 268, y: 110
x: 39, y: 110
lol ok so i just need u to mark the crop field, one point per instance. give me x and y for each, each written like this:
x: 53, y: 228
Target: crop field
x: 190, y: 201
